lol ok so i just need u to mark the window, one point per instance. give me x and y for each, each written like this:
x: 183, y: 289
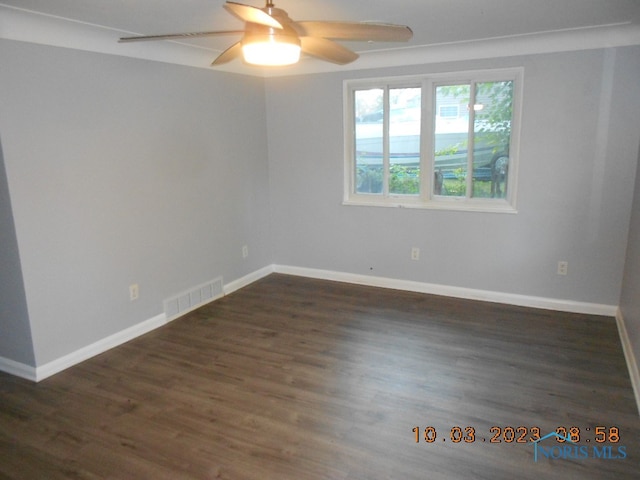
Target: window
x: 442, y: 141
x: 449, y: 111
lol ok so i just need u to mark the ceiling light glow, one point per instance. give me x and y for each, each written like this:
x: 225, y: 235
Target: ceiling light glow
x: 271, y: 50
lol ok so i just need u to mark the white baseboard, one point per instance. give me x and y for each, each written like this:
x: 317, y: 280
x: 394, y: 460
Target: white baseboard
x: 99, y: 347
x: 247, y: 279
x: 629, y: 356
x: 449, y: 291
x: 39, y: 373
x: 489, y: 296
x: 18, y: 369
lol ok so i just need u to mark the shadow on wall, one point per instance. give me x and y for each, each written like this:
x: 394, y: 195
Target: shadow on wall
x: 15, y: 331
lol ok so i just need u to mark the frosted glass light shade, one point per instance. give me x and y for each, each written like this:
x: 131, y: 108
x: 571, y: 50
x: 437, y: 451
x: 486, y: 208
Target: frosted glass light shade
x: 271, y: 50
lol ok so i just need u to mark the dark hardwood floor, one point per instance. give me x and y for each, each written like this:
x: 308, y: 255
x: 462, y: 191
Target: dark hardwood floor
x: 294, y: 378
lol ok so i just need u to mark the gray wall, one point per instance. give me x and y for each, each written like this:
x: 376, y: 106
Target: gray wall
x: 125, y: 171
x: 630, y: 299
x: 579, y: 148
x: 15, y: 333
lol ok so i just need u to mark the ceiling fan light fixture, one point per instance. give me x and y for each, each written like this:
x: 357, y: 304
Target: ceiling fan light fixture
x: 271, y: 49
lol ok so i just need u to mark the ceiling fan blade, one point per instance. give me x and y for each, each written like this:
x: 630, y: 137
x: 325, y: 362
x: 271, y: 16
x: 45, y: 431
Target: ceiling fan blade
x: 176, y: 36
x: 327, y: 50
x: 381, y: 32
x: 251, y: 14
x: 231, y: 53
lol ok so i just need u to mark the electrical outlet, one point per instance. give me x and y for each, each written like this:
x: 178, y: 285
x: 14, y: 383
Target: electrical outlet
x: 245, y: 251
x: 134, y: 292
x: 415, y: 253
x: 563, y: 267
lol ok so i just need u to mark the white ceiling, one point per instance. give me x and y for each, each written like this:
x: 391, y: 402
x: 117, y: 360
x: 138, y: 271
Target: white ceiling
x: 443, y: 29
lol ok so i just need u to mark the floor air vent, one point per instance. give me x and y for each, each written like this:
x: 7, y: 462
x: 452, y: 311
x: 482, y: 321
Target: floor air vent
x: 177, y: 306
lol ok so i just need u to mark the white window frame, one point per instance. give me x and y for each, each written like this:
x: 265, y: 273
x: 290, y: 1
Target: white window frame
x: 426, y: 198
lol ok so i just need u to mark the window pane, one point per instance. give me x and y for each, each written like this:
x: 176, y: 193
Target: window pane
x: 451, y: 140
x: 493, y: 108
x: 404, y: 141
x: 369, y: 140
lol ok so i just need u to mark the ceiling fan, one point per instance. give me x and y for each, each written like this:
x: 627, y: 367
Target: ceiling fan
x: 271, y: 38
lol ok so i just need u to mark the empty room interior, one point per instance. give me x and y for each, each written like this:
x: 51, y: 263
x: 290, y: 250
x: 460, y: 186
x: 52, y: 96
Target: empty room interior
x: 411, y: 252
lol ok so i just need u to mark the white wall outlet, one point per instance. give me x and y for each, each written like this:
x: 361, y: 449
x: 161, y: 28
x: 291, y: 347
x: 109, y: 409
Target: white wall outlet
x: 134, y: 292
x: 415, y: 253
x: 245, y: 251
x: 563, y: 267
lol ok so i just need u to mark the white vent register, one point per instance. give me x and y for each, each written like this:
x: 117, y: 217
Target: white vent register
x: 196, y: 297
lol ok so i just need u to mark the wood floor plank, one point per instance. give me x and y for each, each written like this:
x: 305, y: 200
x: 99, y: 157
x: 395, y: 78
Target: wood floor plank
x: 294, y: 378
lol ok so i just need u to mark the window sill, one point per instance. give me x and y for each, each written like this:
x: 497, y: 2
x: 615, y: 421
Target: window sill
x: 451, y: 204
